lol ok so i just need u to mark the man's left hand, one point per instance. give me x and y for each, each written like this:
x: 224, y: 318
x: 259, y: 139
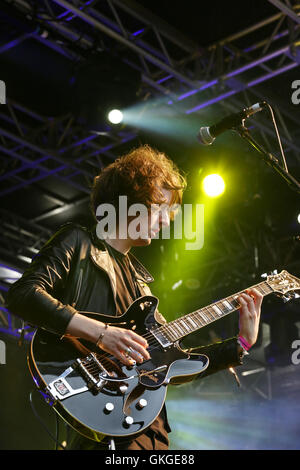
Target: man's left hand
x: 250, y: 303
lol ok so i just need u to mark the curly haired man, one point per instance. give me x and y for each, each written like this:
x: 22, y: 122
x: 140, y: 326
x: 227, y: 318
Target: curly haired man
x: 92, y: 270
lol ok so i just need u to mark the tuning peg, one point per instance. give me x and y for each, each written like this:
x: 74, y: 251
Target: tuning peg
x: 271, y: 273
x: 289, y: 296
x: 293, y: 295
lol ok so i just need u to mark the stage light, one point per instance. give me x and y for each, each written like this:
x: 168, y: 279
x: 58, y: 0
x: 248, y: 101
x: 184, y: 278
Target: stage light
x: 115, y: 116
x: 213, y: 185
x: 298, y: 218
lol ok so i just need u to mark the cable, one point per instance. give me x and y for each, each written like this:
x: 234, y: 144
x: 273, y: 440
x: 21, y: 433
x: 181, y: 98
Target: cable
x: 56, y: 431
x: 278, y: 136
x: 54, y: 438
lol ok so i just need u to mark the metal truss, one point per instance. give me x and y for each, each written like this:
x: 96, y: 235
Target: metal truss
x: 171, y: 65
x: 286, y: 8
x: 21, y: 237
x: 71, y: 154
x: 187, y: 79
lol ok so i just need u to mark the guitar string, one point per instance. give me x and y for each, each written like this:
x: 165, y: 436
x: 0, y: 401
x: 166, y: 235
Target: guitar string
x: 168, y: 329
x: 94, y: 368
x: 137, y: 292
x: 132, y: 270
x: 165, y: 328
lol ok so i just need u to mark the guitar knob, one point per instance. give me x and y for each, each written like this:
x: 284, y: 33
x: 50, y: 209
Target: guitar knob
x: 108, y: 407
x: 128, y: 421
x: 142, y: 403
x: 123, y: 388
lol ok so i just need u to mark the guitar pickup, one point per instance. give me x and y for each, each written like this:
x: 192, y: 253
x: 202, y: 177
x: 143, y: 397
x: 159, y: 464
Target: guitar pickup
x: 161, y: 338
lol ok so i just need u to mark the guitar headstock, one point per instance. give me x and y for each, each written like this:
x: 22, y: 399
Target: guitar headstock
x: 284, y: 284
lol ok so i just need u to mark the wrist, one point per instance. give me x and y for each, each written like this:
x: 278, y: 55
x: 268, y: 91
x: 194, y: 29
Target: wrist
x: 243, y: 343
x: 86, y: 328
x: 241, y: 351
x: 101, y: 336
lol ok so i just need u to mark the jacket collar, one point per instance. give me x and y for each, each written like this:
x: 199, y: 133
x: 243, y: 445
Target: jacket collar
x: 101, y: 256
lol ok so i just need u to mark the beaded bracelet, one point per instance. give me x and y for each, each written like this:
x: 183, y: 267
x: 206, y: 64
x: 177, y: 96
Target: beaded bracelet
x: 99, y: 340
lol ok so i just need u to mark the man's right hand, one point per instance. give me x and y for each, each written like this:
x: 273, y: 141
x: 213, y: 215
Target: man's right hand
x: 124, y: 344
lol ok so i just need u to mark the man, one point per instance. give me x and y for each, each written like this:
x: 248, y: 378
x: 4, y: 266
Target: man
x: 81, y: 270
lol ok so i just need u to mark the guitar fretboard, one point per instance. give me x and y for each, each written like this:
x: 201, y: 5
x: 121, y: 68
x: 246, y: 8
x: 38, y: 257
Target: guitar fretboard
x: 179, y: 328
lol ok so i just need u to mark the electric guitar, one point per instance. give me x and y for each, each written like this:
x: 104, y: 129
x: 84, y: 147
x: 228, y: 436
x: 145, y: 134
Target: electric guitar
x: 98, y: 395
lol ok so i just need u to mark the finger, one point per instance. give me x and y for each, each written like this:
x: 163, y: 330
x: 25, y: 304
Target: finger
x: 249, y: 298
x: 258, y: 297
x: 139, y: 339
x: 247, y: 304
x: 133, y: 354
x: 138, y: 350
x: 125, y: 359
x: 117, y: 352
x: 243, y: 304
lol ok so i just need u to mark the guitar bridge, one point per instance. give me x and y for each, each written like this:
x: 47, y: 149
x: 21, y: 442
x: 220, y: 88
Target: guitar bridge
x: 89, y: 369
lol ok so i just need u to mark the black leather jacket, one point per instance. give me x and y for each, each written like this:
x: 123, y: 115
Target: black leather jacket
x: 73, y: 272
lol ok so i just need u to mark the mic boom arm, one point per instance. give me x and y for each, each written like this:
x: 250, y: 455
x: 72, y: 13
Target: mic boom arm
x: 268, y: 158
x: 236, y: 122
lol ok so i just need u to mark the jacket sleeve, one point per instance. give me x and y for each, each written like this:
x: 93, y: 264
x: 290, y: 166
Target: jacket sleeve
x: 35, y: 296
x: 222, y: 355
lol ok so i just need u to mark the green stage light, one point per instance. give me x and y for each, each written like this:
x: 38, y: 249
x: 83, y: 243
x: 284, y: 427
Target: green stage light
x: 213, y: 185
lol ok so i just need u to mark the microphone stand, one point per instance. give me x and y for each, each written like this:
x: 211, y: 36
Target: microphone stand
x: 267, y: 157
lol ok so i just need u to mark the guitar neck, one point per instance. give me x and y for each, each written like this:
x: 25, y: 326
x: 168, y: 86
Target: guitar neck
x: 181, y: 327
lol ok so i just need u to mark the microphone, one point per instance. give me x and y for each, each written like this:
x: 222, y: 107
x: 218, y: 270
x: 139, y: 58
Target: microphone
x: 207, y: 135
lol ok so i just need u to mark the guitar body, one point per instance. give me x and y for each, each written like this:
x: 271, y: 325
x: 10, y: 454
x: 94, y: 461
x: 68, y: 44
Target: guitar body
x: 97, y: 395
x: 94, y: 392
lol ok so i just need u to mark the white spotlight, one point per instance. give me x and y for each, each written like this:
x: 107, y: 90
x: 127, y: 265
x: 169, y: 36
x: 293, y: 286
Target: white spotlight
x: 115, y: 116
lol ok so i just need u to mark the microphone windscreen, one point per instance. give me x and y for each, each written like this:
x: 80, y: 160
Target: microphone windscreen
x: 204, y: 136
